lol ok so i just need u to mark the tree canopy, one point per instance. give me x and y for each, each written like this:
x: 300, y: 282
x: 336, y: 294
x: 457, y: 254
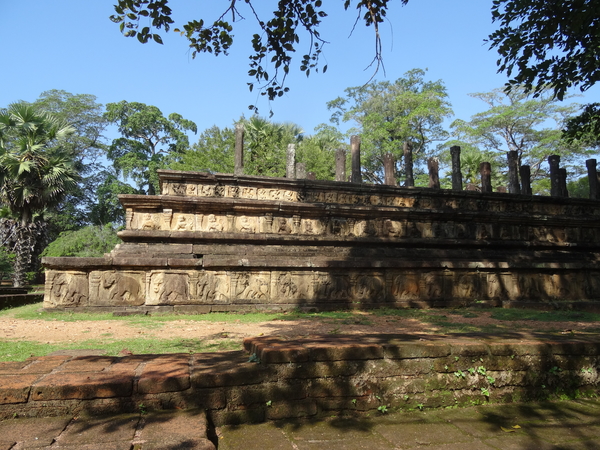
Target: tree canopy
x: 387, y: 114
x: 545, y: 43
x: 147, y: 138
x: 35, y: 173
x: 515, y: 121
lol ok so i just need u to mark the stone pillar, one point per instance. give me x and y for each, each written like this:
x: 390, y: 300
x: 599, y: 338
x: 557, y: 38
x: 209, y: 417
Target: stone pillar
x: 554, y: 162
x: 340, y: 164
x: 290, y: 168
x: 513, y: 172
x: 355, y: 150
x: 456, y: 171
x: 301, y: 171
x: 311, y: 176
x: 562, y: 183
x: 389, y: 169
x: 239, y: 150
x: 408, y: 165
x: 485, y: 169
x: 593, y: 178
x: 525, y: 173
x: 433, y: 164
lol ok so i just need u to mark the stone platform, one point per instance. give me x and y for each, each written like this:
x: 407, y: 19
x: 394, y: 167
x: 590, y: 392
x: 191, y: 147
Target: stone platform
x: 214, y: 242
x: 277, y: 379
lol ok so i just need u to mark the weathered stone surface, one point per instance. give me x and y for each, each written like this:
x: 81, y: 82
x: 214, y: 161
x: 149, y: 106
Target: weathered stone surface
x: 240, y: 243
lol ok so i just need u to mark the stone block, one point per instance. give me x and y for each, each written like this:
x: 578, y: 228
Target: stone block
x: 165, y: 375
x: 340, y: 351
x: 291, y: 409
x: 405, y: 350
x: 82, y: 385
x: 15, y: 388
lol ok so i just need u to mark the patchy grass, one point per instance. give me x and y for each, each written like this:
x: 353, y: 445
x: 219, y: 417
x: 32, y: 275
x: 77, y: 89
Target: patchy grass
x: 21, y: 350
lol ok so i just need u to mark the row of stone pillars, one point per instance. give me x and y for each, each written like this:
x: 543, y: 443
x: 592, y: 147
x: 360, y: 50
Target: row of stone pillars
x: 519, y: 177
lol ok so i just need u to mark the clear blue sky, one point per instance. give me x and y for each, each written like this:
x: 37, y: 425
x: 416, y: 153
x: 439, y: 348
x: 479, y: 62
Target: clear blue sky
x: 73, y: 46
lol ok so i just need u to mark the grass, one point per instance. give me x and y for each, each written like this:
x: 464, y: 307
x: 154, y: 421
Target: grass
x: 20, y: 350
x: 442, y: 319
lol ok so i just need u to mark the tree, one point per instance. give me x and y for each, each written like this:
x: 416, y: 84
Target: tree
x: 214, y: 152
x: 275, y: 43
x: 148, y: 137
x: 107, y: 208
x: 517, y: 122
x: 388, y: 114
x: 546, y: 44
x: 265, y: 144
x: 585, y: 127
x: 89, y: 241
x: 35, y: 172
x: 318, y: 151
x: 86, y: 146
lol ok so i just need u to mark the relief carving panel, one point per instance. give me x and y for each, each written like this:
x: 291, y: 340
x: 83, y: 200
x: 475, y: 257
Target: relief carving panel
x: 168, y: 288
x: 67, y: 289
x: 111, y: 288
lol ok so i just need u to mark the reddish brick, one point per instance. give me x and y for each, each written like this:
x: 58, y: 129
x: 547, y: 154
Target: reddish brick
x: 283, y: 353
x: 164, y: 376
x: 12, y: 367
x: 88, y: 364
x: 332, y: 351
x: 406, y: 350
x: 15, y: 388
x: 45, y: 364
x: 83, y: 385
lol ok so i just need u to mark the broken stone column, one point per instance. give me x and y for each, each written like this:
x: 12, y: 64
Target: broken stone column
x: 355, y: 150
x: 593, y: 178
x: 525, y: 173
x: 562, y: 183
x: 408, y: 165
x: 554, y: 162
x: 433, y: 164
x: 239, y: 150
x: 301, y: 171
x: 290, y: 168
x: 340, y: 164
x: 311, y: 176
x: 513, y: 172
x: 389, y: 169
x: 456, y: 172
x: 485, y: 169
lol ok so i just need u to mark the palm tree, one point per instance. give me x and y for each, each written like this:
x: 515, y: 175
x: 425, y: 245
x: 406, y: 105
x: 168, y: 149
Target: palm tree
x: 35, y: 173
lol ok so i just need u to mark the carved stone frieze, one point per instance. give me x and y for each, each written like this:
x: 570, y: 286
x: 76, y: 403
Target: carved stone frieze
x: 66, y: 289
x: 168, y: 288
x: 112, y: 288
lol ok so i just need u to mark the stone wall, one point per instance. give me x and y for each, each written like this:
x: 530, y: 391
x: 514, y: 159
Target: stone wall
x: 220, y: 243
x: 316, y: 377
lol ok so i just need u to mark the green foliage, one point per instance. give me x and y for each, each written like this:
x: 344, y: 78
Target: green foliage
x: 585, y: 127
x: 548, y: 43
x: 388, y: 114
x: 6, y: 260
x: 265, y: 145
x: 89, y: 241
x: 107, y: 208
x: 274, y: 44
x: 148, y: 138
x: 214, y: 152
x: 36, y: 174
x: 318, y: 151
x: 516, y: 122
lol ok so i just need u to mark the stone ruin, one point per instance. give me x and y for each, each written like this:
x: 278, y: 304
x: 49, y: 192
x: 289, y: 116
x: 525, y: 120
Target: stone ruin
x: 216, y: 242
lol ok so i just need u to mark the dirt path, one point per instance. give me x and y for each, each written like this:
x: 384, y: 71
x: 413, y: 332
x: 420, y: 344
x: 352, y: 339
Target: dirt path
x: 57, y: 331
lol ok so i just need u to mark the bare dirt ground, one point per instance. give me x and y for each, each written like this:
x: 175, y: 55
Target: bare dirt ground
x: 58, y: 331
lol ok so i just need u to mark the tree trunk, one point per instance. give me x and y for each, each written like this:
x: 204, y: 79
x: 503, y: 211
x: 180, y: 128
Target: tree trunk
x: 23, y: 252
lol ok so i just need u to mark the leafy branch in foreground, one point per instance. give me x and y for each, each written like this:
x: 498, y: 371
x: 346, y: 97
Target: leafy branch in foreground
x: 273, y: 45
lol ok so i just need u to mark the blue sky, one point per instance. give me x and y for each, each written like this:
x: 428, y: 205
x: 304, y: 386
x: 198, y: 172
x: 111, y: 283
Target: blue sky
x: 73, y: 46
